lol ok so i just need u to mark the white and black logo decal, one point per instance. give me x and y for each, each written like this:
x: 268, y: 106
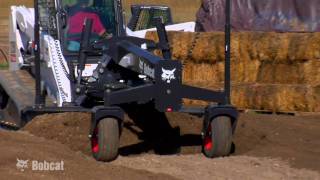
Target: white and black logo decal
x: 168, y: 75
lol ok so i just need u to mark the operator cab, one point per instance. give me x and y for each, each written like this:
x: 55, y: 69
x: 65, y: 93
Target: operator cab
x: 102, y: 12
x: 107, y: 16
x: 64, y: 20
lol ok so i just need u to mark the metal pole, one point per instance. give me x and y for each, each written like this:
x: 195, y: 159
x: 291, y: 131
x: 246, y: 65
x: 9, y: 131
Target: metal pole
x: 38, y: 101
x: 163, y: 38
x: 227, y: 82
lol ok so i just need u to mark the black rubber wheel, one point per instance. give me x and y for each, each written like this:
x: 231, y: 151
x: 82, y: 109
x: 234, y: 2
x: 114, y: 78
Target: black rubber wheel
x: 3, y: 98
x: 105, y: 140
x: 217, y: 140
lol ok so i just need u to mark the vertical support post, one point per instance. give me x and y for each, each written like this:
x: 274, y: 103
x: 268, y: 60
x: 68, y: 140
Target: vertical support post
x: 121, y: 31
x: 84, y: 47
x: 227, y: 81
x: 163, y: 38
x: 38, y: 98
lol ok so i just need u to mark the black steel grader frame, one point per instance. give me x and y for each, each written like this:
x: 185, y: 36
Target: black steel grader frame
x: 165, y: 94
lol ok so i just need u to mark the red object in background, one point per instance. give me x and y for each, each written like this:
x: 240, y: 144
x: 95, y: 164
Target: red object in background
x: 13, y: 58
x: 76, y: 23
x: 169, y: 109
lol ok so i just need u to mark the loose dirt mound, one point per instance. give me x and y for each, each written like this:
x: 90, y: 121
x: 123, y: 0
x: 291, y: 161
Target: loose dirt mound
x: 283, y: 137
x: 198, y: 167
x: 70, y: 129
x: 294, y: 139
x: 25, y: 146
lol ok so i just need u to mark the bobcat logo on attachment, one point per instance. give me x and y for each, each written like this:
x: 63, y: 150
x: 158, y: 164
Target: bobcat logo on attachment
x: 22, y: 164
x: 168, y: 75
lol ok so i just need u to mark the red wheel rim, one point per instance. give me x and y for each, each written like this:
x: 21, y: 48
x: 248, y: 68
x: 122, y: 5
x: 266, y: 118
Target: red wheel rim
x: 94, y: 141
x: 208, y: 144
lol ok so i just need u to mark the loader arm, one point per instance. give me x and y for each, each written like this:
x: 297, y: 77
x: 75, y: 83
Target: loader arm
x: 164, y: 84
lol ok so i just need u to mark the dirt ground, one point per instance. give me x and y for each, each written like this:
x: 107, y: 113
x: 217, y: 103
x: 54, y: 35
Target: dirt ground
x: 267, y: 147
x: 25, y: 146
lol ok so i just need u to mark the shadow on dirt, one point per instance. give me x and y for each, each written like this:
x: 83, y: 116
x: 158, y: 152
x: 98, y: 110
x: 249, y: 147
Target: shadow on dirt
x: 156, y: 132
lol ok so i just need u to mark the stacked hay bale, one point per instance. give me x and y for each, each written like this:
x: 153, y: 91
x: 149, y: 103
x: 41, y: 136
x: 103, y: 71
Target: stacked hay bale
x: 270, y: 71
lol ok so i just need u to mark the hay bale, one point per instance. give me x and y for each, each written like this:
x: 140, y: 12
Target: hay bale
x: 270, y: 71
x: 278, y: 47
x: 196, y: 47
x: 271, y: 97
x: 208, y: 47
x: 316, y: 97
x: 203, y: 72
x: 304, y: 72
x: 214, y: 73
x: 289, y: 58
x: 283, y: 73
x: 311, y: 72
